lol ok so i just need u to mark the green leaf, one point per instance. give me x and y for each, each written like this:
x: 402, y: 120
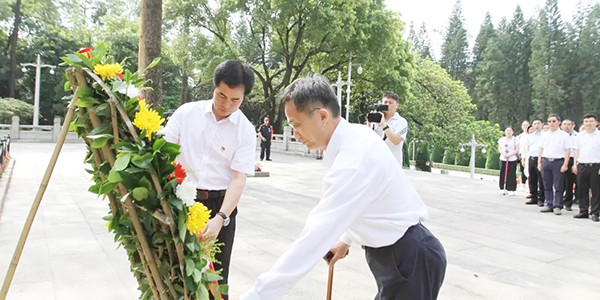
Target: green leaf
x: 105, y: 128
x: 140, y: 193
x: 181, y: 225
x: 113, y: 176
x: 191, y: 246
x: 153, y: 63
x: 106, y: 187
x: 201, y: 291
x: 85, y: 102
x: 210, y: 276
x: 142, y: 161
x: 100, y: 142
x: 122, y: 161
x: 74, y: 58
x: 67, y: 86
x: 189, y: 266
x: 197, y: 275
x: 158, y: 144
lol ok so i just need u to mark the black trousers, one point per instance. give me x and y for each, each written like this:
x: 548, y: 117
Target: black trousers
x: 265, y: 147
x: 536, y: 184
x: 588, y: 178
x: 522, y: 168
x: 570, y: 179
x: 225, y: 236
x: 412, y: 268
x: 511, y: 177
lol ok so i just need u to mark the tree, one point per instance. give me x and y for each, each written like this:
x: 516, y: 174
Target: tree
x: 455, y: 54
x: 12, y: 48
x: 289, y: 39
x: 420, y: 41
x: 150, y: 48
x: 589, y: 75
x: 486, y: 32
x: 547, y: 64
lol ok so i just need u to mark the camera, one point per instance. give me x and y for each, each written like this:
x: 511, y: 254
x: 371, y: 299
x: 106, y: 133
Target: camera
x: 376, y: 115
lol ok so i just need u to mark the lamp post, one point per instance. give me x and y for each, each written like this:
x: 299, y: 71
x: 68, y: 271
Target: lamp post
x: 36, y: 98
x: 348, y: 83
x: 473, y: 144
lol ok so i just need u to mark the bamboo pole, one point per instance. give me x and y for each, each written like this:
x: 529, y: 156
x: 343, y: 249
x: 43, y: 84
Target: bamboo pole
x: 38, y: 199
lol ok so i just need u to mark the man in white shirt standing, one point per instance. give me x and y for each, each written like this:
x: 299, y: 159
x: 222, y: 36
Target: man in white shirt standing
x: 366, y: 201
x: 587, y: 166
x: 217, y: 151
x: 553, y: 162
x: 522, y: 138
x: 532, y: 150
x: 568, y: 126
x: 393, y: 128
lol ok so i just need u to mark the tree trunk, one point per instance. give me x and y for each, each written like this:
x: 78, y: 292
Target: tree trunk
x: 185, y: 89
x: 14, y: 37
x: 150, y: 48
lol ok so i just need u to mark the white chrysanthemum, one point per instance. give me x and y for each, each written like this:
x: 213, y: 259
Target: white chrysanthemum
x: 186, y: 191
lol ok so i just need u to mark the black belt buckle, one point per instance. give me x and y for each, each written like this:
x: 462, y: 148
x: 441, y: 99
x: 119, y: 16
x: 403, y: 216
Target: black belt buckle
x: 205, y: 194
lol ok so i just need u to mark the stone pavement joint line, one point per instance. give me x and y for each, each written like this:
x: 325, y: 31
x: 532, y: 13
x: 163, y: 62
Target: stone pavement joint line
x: 497, y: 247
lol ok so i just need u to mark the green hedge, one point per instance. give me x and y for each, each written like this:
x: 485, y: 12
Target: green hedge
x: 422, y: 160
x: 438, y: 154
x: 10, y: 107
x: 493, y: 160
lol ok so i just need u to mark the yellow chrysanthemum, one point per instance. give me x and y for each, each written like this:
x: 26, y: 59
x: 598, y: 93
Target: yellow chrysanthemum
x: 109, y: 71
x: 147, y: 119
x: 198, y: 216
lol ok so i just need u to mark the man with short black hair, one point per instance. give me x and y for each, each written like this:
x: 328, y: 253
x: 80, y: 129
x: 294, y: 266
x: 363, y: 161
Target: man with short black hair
x: 265, y: 132
x: 532, y: 150
x: 553, y: 162
x: 218, y: 146
x: 393, y: 128
x: 568, y: 126
x: 365, y: 200
x: 587, y: 166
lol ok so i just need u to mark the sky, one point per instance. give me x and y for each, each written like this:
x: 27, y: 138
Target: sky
x: 436, y: 13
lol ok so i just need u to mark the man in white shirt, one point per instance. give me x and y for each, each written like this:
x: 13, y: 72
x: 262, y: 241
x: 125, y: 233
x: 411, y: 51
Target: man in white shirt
x: 587, y: 166
x: 217, y: 151
x: 568, y: 126
x: 553, y: 162
x: 393, y: 128
x: 532, y: 150
x: 522, y: 138
x: 366, y: 201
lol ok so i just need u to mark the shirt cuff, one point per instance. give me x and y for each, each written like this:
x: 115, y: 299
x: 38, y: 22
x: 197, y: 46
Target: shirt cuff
x: 250, y: 295
x: 346, y: 239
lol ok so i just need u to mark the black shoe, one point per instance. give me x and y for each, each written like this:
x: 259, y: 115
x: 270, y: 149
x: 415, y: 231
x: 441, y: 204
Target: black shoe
x: 261, y: 159
x: 581, y: 216
x: 595, y: 218
x: 568, y: 208
x: 540, y: 204
x: 531, y: 202
x: 269, y: 159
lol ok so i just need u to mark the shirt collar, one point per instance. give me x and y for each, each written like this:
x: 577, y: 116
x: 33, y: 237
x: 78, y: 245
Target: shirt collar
x: 233, y: 118
x: 333, y: 147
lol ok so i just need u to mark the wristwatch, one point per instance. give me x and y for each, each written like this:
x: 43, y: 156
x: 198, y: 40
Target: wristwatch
x: 225, y: 218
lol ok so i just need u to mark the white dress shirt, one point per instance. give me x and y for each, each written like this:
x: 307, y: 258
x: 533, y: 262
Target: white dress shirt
x: 572, y: 141
x: 366, y: 200
x: 589, y: 147
x: 399, y: 126
x: 533, y: 143
x: 555, y: 143
x: 522, y: 138
x: 210, y: 149
x: 508, y: 146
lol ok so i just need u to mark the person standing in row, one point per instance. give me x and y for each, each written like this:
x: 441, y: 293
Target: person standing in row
x: 265, y: 132
x: 553, y: 162
x: 536, y: 184
x: 218, y: 148
x: 508, y: 148
x: 568, y: 126
x: 587, y: 166
x: 522, y: 138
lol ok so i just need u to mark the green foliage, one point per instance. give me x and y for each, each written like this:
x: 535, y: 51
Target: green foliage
x: 422, y: 161
x: 10, y: 107
x: 493, y: 159
x: 455, y: 47
x: 438, y: 154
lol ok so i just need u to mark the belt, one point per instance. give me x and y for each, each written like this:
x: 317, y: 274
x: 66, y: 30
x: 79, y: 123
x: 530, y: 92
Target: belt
x: 206, y: 194
x: 533, y: 157
x: 588, y: 164
x: 553, y: 159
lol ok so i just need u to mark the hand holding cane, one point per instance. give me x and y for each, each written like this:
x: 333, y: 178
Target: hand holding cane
x: 328, y: 258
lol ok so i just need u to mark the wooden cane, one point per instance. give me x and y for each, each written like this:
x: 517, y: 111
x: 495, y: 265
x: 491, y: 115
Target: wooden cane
x: 330, y: 282
x: 38, y: 198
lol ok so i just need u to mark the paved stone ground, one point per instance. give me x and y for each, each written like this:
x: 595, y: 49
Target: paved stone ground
x: 497, y: 248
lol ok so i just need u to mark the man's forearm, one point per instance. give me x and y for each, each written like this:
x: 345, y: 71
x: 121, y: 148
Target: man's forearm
x: 394, y: 138
x: 234, y: 192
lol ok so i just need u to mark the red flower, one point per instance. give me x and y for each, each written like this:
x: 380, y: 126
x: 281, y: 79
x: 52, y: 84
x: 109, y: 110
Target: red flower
x: 85, y: 50
x: 119, y: 75
x: 212, y: 285
x: 179, y: 173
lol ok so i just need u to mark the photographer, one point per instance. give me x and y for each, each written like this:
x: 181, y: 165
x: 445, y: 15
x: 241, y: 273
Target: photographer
x: 392, y: 127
